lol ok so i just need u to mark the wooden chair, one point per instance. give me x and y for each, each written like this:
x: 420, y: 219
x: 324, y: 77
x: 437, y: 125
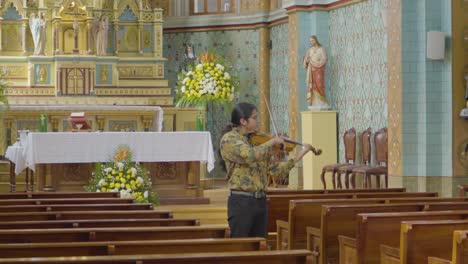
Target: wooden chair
x: 349, y: 139
x: 381, y: 155
x: 366, y: 159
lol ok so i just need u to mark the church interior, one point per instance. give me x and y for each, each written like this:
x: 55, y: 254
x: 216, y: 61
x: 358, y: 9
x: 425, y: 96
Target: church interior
x: 389, y: 99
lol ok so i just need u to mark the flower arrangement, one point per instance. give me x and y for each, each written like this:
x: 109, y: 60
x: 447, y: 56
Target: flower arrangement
x: 206, y: 80
x: 124, y: 176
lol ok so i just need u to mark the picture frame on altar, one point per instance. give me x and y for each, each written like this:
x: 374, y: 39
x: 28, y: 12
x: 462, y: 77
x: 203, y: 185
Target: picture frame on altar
x: 79, y: 122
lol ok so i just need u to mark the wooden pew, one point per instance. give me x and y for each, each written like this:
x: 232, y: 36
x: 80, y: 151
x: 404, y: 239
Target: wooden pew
x: 459, y: 250
x: 99, y: 223
x: 81, y: 215
x: 57, y: 195
x: 389, y: 255
x: 75, y: 207
x: 339, y: 220
x: 374, y: 229
x: 421, y: 239
x: 112, y: 234
x: 434, y: 260
x: 270, y: 257
x: 321, y: 191
x: 278, y: 205
x: 40, y: 201
x: 304, y: 213
x: 108, y: 248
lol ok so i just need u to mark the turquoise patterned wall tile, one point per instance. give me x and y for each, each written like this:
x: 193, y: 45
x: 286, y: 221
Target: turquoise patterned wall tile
x: 240, y: 50
x: 279, y: 77
x: 358, y: 66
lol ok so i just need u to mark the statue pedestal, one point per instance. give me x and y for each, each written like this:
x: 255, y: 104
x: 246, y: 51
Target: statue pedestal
x: 319, y: 128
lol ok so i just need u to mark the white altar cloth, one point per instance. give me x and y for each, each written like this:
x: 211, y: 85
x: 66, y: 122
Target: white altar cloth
x: 88, y: 147
x: 14, y: 154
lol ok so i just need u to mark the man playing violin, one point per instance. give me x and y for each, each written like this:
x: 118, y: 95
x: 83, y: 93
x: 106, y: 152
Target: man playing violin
x: 248, y: 167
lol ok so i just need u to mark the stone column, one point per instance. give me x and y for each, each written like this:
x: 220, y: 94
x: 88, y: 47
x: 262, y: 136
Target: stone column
x: 56, y: 31
x: 23, y: 36
x: 140, y: 37
x: 116, y: 38
x: 89, y: 34
x: 264, y: 78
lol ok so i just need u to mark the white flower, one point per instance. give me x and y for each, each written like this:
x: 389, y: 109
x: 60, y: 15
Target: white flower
x: 182, y: 89
x: 189, y: 73
x: 199, y: 66
x: 98, y: 190
x: 139, y: 179
x: 108, y: 169
x: 185, y: 80
x: 145, y: 194
x: 115, y: 189
x: 221, y: 67
x: 120, y: 165
x: 101, y: 182
x: 133, y: 170
x: 227, y: 76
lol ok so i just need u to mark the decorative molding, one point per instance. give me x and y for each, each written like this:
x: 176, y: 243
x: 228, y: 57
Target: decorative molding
x: 293, y: 70
x: 394, y: 88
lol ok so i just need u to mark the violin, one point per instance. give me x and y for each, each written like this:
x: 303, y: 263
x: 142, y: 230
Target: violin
x: 258, y: 138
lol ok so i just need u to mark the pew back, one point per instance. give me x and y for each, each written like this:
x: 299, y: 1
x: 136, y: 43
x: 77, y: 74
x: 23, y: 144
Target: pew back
x: 40, y: 201
x: 258, y: 257
x: 460, y: 247
x: 374, y: 229
x: 108, y: 248
x: 56, y: 195
x: 111, y: 234
x: 75, y: 207
x: 421, y: 239
x: 278, y: 205
x: 76, y: 215
x: 99, y: 223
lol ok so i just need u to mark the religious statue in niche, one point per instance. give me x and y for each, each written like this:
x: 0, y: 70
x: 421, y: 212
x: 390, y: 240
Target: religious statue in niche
x: 42, y: 73
x: 189, y: 57
x: 38, y: 26
x: 314, y: 62
x: 103, y: 74
x: 101, y: 29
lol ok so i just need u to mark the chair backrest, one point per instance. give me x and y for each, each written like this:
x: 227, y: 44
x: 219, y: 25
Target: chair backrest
x: 381, y: 147
x: 349, y: 139
x: 366, y: 146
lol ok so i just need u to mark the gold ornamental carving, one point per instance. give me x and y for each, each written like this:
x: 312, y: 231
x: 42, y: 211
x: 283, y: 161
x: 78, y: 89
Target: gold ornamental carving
x: 135, y: 72
x: 14, y: 71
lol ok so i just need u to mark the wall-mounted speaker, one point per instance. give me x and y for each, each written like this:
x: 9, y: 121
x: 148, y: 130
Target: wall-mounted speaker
x: 435, y: 45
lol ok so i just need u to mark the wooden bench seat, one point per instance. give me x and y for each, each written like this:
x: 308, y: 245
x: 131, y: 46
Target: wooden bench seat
x: 40, y: 201
x: 421, y: 239
x: 131, y: 247
x: 111, y: 234
x: 374, y: 229
x: 278, y: 205
x: 321, y: 191
x: 75, y: 207
x: 304, y: 213
x: 99, y: 223
x: 57, y: 195
x: 260, y: 257
x: 76, y: 215
x: 339, y: 220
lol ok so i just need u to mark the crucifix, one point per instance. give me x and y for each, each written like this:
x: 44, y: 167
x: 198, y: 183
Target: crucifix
x: 76, y: 25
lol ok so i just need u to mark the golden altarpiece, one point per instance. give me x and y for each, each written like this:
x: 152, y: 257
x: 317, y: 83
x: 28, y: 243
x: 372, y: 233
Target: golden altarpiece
x: 71, y: 73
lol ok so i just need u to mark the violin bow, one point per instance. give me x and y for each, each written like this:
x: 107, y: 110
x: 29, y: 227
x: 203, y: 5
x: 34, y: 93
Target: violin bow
x: 271, y: 115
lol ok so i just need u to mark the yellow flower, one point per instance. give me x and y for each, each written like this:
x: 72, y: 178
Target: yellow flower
x: 122, y: 180
x: 112, y: 185
x: 117, y: 185
x: 127, y: 186
x: 103, y: 189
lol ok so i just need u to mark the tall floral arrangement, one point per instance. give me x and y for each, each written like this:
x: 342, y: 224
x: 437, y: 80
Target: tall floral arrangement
x: 206, y: 81
x: 123, y: 175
